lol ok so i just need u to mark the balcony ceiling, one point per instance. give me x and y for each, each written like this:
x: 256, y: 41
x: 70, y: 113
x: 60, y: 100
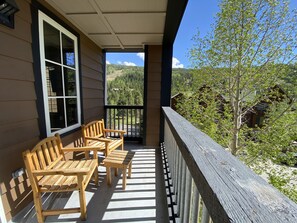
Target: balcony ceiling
x: 117, y: 24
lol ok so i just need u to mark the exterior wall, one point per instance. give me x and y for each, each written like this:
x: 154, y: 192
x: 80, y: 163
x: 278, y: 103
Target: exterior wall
x: 154, y: 67
x: 19, y: 129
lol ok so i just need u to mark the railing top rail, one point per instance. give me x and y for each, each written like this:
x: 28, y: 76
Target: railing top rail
x: 125, y: 106
x: 230, y: 190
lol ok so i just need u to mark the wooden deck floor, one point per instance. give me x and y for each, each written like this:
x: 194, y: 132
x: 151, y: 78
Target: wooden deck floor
x: 144, y: 199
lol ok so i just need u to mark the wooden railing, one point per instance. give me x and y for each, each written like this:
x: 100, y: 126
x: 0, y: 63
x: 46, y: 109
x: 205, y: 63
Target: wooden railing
x: 128, y: 118
x: 208, y: 184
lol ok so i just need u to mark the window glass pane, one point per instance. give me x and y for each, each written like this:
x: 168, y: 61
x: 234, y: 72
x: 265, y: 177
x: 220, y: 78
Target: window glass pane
x: 71, y: 108
x: 52, y: 43
x: 56, y: 111
x: 68, y: 51
x: 54, y: 80
x: 69, y: 81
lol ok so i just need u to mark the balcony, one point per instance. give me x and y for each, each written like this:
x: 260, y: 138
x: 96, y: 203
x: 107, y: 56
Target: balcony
x: 190, y: 179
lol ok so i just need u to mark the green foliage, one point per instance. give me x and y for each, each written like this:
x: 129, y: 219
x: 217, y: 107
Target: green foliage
x: 274, y: 140
x: 250, y: 51
x: 127, y: 87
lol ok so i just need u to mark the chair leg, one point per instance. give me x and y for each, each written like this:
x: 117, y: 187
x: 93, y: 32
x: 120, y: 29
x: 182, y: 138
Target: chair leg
x: 96, y: 177
x: 87, y: 155
x: 38, y: 207
x: 83, y: 207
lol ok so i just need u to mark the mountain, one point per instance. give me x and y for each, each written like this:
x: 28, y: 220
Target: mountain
x: 125, y: 83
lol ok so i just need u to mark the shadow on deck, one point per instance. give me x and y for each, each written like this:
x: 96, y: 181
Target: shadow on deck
x: 144, y: 199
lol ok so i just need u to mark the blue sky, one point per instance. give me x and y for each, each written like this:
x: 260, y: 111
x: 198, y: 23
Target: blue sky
x: 199, y: 15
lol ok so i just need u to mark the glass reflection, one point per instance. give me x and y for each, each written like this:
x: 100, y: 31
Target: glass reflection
x: 71, y: 108
x: 52, y: 43
x: 54, y: 80
x: 56, y: 111
x: 69, y: 81
x: 68, y: 51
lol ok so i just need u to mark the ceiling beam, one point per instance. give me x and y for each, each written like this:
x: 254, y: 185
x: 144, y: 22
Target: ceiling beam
x: 106, y: 23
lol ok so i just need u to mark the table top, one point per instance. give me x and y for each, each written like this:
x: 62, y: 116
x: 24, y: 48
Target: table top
x: 119, y: 158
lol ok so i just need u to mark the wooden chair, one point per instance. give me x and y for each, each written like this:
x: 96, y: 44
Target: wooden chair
x: 96, y: 135
x: 49, y: 171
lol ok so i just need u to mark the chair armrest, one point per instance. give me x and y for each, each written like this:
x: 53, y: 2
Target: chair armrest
x: 115, y: 131
x: 80, y: 149
x: 99, y: 139
x: 66, y: 172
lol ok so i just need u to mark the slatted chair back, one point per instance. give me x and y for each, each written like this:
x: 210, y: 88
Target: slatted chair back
x: 46, y: 154
x: 92, y: 129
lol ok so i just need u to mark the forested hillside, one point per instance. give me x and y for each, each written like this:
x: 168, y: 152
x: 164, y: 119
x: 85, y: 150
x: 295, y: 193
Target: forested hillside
x: 125, y: 83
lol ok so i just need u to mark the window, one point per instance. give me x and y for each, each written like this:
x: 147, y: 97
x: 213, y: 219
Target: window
x: 60, y: 76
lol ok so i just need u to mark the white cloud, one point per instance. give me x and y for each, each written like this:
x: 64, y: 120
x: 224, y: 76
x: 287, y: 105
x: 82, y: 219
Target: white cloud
x: 176, y: 63
x: 107, y: 62
x: 141, y: 55
x: 125, y: 63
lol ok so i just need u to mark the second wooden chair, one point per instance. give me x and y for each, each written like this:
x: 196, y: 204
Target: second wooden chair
x: 95, y: 134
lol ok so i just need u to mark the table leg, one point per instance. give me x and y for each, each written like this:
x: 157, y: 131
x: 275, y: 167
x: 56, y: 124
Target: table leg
x: 116, y: 172
x: 108, y: 176
x: 130, y: 170
x: 124, y: 177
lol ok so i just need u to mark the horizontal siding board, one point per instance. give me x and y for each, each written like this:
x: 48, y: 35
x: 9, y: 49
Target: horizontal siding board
x: 18, y: 132
x: 15, y: 47
x: 154, y: 103
x: 26, y: 110
x: 15, y: 69
x: 91, y: 51
x: 92, y: 93
x: 155, y: 54
x: 94, y: 113
x: 154, y: 86
x: 92, y: 103
x: 91, y: 73
x: 20, y: 31
x: 154, y: 77
x: 92, y: 84
x: 25, y: 11
x: 86, y: 61
x: 12, y: 90
x: 154, y: 95
x: 155, y: 67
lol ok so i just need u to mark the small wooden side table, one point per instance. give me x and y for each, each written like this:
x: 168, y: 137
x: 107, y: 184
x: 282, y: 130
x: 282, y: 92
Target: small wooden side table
x: 119, y: 159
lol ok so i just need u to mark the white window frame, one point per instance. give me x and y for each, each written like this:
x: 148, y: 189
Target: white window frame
x: 41, y: 18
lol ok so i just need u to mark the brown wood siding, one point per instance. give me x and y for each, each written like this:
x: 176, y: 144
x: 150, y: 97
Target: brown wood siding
x: 19, y: 128
x: 19, y: 120
x: 153, y: 95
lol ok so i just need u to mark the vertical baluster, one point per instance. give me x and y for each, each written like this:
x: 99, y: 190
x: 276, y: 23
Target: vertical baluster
x: 108, y: 117
x: 188, y: 194
x: 205, y: 215
x: 131, y: 121
x: 183, y: 190
x: 114, y: 117
x: 176, y: 167
x: 195, y: 204
x: 141, y: 122
x: 135, y: 122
